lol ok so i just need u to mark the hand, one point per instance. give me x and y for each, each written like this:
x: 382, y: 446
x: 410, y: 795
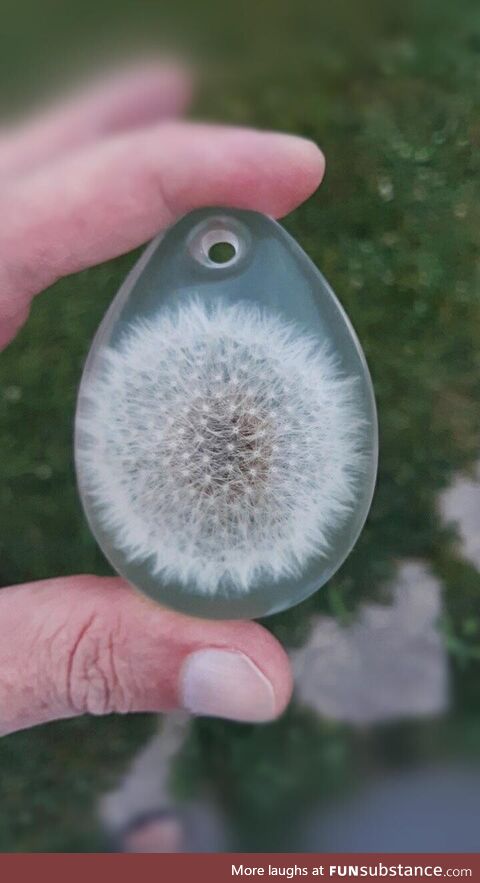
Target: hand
x: 80, y: 185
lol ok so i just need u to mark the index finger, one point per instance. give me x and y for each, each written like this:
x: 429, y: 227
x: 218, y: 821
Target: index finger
x: 111, y: 198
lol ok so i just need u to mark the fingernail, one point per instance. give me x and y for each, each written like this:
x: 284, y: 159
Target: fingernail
x: 225, y: 683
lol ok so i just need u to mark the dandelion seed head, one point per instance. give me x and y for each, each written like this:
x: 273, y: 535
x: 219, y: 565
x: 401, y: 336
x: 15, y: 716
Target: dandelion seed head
x: 220, y: 478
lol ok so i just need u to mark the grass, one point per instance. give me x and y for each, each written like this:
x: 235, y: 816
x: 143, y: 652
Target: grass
x: 391, y: 94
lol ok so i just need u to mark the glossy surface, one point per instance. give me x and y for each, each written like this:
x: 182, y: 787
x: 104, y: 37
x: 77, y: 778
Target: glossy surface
x: 251, y: 372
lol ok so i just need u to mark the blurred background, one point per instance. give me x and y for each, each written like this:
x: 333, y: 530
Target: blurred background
x: 380, y: 748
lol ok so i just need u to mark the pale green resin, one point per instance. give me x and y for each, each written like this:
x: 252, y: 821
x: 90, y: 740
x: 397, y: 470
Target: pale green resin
x: 269, y: 269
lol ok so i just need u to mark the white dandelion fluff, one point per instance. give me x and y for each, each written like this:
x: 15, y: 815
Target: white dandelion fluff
x: 221, y: 443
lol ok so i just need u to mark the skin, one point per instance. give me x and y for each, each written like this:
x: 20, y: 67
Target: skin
x: 80, y: 184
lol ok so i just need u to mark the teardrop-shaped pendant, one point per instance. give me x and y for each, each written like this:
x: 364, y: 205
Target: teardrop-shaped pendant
x: 226, y: 432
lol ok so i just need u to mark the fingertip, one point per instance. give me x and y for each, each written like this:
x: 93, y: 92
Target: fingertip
x: 170, y: 82
x: 247, y: 678
x: 303, y: 173
x: 269, y: 655
x: 269, y: 172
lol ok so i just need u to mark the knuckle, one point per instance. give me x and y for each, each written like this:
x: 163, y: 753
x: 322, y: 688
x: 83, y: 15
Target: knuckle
x: 96, y: 675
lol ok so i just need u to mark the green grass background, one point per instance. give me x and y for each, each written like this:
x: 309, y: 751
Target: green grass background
x: 391, y: 93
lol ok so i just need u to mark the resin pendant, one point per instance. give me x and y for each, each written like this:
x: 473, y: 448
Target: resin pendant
x: 226, y: 432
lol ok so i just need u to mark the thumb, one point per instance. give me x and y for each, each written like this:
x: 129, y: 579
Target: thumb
x: 87, y: 644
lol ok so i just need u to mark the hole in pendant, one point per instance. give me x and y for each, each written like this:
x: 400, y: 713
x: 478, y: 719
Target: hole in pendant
x: 219, y: 242
x: 222, y: 252
x: 220, y: 247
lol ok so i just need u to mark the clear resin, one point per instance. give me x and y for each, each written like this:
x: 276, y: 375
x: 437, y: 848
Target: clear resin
x: 226, y: 433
